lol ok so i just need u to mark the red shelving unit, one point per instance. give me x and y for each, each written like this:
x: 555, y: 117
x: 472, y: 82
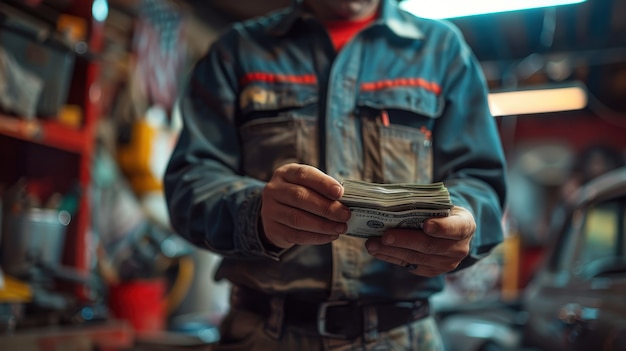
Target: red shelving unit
x: 54, y: 157
x: 56, y: 154
x: 44, y: 132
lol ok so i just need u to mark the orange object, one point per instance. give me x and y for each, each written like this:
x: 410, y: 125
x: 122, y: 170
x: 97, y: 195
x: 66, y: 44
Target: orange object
x: 137, y: 159
x: 71, y: 115
x: 385, y: 118
x: 74, y: 27
x: 511, y: 271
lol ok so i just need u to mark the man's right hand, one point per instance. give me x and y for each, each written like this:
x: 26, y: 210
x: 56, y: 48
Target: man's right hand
x: 300, y: 206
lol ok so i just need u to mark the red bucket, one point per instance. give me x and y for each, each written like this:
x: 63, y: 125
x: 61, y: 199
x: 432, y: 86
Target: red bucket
x: 140, y: 302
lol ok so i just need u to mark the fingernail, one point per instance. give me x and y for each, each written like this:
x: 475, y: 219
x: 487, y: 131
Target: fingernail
x: 390, y: 239
x: 336, y: 191
x: 431, y: 228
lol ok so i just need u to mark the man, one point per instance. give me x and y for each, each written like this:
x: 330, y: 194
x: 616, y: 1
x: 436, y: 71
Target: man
x: 284, y: 107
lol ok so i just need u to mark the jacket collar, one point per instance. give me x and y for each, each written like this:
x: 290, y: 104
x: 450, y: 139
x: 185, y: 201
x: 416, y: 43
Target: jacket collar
x: 390, y: 16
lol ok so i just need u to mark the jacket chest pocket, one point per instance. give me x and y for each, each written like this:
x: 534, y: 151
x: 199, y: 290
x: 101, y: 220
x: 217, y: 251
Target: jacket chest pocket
x: 396, y: 126
x: 278, y: 126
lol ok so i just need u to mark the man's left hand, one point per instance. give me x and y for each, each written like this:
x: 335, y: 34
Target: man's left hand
x: 438, y: 248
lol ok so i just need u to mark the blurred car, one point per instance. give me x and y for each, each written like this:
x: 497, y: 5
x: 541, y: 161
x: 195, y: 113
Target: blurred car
x: 576, y: 300
x: 482, y: 326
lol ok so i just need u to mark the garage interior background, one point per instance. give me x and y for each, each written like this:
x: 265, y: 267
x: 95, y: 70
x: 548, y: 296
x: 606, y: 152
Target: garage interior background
x: 98, y: 146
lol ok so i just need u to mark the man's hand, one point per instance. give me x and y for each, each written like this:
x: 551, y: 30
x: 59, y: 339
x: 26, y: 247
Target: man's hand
x: 299, y: 206
x: 438, y: 249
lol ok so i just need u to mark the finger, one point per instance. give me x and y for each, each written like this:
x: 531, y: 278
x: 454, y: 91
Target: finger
x: 402, y: 256
x: 311, y: 178
x: 418, y: 241
x: 285, y: 236
x: 460, y: 224
x: 423, y: 270
x: 296, y: 196
x: 302, y: 220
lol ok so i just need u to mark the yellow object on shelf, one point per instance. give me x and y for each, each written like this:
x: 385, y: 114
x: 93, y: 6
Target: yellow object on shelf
x: 71, y: 115
x: 75, y: 28
x: 14, y: 290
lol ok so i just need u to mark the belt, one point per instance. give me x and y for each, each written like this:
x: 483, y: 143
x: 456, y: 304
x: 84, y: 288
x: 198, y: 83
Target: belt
x: 333, y: 319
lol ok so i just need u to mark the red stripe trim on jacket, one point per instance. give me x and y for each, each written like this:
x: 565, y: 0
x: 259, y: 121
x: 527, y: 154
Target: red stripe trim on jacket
x: 278, y: 78
x: 410, y: 82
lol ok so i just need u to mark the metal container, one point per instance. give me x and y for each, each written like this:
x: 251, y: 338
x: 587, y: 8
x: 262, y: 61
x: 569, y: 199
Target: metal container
x: 34, y: 236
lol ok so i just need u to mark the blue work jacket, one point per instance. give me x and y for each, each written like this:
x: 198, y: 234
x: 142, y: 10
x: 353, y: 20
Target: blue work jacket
x: 403, y: 101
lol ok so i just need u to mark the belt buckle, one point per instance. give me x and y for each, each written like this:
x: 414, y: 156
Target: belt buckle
x: 321, y: 319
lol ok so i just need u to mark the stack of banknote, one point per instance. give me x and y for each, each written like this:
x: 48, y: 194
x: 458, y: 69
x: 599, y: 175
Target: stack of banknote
x: 379, y: 207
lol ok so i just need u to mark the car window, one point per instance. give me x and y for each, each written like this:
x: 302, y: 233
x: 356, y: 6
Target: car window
x: 601, y: 234
x: 594, y: 234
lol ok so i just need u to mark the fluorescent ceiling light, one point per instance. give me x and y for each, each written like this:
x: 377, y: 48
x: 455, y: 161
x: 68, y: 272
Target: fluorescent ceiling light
x: 460, y: 8
x: 534, y: 101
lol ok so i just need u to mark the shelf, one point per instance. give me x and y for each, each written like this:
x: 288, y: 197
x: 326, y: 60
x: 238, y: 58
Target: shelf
x: 45, y: 132
x: 112, y: 335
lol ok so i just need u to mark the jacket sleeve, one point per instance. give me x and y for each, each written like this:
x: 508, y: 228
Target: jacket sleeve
x: 468, y: 154
x: 210, y: 202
